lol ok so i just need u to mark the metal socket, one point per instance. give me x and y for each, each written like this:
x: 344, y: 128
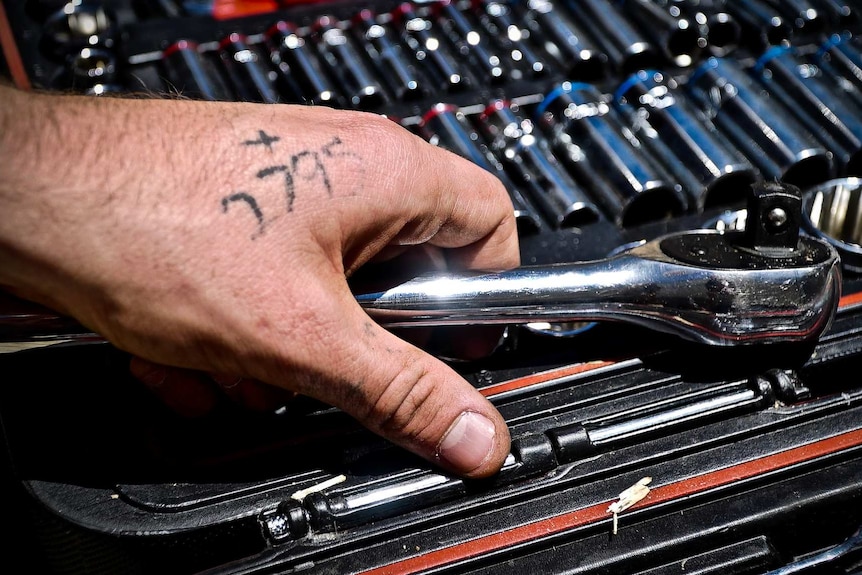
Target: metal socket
x: 189, y: 74
x: 677, y: 37
x: 627, y: 48
x: 712, y: 171
x: 574, y: 53
x: 814, y: 100
x: 389, y: 58
x: 769, y: 136
x: 470, y: 42
x: 499, y: 21
x: 841, y: 58
x: 345, y: 63
x: 430, y: 50
x: 527, y: 152
x: 832, y: 211
x: 761, y: 25
x: 587, y: 135
x: 247, y: 73
x: 300, y: 67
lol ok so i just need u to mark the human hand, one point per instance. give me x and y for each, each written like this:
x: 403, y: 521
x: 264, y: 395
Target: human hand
x: 218, y: 237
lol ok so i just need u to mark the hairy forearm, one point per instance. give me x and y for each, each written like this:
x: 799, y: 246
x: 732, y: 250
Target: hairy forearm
x: 63, y: 162
x: 51, y: 138
x: 35, y: 161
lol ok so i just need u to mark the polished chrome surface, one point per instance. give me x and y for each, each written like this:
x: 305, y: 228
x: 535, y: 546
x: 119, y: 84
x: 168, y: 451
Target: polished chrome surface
x: 832, y: 211
x: 835, y: 209
x: 716, y: 305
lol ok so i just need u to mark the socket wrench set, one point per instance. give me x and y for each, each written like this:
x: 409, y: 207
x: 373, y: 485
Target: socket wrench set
x: 680, y: 346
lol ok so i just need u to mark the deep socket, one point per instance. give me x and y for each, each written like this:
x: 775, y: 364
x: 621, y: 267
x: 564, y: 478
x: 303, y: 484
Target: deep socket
x: 587, y: 135
x: 499, y: 22
x: 390, y: 59
x: 431, y: 51
x: 716, y: 24
x: 809, y: 21
x: 627, y: 48
x: 660, y: 115
x: 187, y: 73
x: 344, y: 61
x: 248, y: 75
x: 814, y: 101
x: 679, y: 39
x: 574, y: 53
x: 761, y: 25
x: 471, y: 43
x: 445, y: 125
x: 299, y: 65
x: 840, y: 57
x: 768, y: 135
x: 527, y: 151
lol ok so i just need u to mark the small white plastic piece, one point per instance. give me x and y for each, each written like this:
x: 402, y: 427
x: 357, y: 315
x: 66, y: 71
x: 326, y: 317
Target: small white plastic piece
x: 628, y: 498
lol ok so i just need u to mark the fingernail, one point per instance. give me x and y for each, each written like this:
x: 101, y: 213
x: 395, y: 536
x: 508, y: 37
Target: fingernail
x: 154, y: 377
x: 469, y: 441
x: 226, y: 381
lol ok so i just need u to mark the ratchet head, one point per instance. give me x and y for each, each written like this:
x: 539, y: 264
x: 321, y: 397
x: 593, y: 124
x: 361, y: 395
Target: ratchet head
x: 735, y: 296
x: 767, y: 283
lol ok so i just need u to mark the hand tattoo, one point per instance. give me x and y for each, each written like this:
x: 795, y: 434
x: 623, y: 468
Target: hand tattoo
x: 303, y: 166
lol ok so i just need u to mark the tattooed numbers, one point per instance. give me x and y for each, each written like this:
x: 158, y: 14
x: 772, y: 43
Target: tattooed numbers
x: 307, y: 166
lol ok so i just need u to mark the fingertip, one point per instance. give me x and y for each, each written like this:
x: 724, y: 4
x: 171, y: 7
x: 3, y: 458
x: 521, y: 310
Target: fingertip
x: 475, y: 445
x: 182, y: 391
x: 252, y: 394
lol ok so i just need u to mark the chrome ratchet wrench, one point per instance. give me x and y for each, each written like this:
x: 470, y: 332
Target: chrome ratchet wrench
x: 765, y: 284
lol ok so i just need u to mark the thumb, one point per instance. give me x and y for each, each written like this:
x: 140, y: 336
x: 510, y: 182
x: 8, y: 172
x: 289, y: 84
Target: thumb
x: 412, y: 399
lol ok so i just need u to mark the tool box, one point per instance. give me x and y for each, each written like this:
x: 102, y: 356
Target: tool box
x: 611, y: 123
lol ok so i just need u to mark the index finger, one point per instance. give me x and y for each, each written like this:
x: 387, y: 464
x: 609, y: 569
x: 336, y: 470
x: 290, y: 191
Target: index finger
x: 428, y: 195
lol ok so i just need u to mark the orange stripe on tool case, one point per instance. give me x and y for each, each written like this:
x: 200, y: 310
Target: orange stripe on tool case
x: 596, y: 513
x: 542, y: 377
x: 10, y: 52
x: 850, y: 299
x: 229, y: 9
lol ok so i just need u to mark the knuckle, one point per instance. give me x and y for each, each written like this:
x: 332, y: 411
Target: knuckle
x: 372, y: 129
x: 405, y: 407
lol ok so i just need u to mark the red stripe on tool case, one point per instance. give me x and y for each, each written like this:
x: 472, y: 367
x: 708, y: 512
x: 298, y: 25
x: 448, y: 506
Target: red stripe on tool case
x: 598, y: 512
x: 850, y: 299
x: 10, y: 52
x: 542, y: 377
x: 227, y: 9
